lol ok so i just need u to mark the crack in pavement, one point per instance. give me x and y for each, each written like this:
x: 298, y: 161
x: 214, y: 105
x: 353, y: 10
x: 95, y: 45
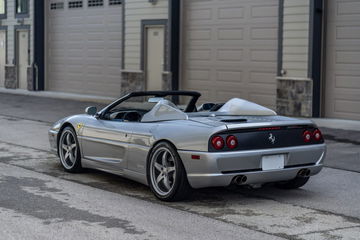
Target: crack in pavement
x: 332, y: 230
x: 47, y: 208
x: 211, y: 201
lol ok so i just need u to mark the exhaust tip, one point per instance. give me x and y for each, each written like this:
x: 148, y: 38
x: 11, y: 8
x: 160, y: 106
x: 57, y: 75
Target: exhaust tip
x: 304, y: 172
x: 240, y: 180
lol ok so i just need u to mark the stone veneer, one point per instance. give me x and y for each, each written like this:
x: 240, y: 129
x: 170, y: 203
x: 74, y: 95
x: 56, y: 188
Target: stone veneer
x: 10, y: 77
x: 132, y: 81
x: 135, y: 81
x: 30, y: 79
x: 166, y: 85
x: 294, y: 97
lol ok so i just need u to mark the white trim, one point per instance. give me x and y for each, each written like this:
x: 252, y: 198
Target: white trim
x: 294, y: 78
x: 131, y: 71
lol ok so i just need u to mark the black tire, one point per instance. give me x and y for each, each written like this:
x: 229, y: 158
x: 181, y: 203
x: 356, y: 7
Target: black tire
x: 297, y: 182
x: 180, y: 188
x: 70, y: 158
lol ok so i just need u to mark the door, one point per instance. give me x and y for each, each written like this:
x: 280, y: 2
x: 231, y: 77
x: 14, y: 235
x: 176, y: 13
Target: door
x: 83, y: 47
x: 342, y: 74
x: 105, y: 143
x: 2, y: 57
x: 229, y: 49
x: 154, y: 57
x: 22, y: 38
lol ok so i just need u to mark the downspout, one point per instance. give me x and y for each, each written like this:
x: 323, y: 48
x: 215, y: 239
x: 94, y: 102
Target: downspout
x: 38, y: 66
x: 316, y: 53
x: 174, y: 30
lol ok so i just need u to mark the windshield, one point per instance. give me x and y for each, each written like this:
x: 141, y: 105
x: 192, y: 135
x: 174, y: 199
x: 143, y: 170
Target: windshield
x: 134, y: 106
x: 146, y: 103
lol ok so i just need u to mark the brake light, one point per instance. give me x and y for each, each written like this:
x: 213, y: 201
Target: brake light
x: 317, y: 135
x: 307, y: 136
x: 217, y: 142
x: 268, y: 128
x: 231, y: 142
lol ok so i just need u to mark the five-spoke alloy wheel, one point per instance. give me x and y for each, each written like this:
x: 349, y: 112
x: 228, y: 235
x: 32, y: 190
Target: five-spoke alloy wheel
x: 69, y: 151
x: 166, y: 174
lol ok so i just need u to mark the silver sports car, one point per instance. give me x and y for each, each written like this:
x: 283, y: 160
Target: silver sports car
x: 153, y: 139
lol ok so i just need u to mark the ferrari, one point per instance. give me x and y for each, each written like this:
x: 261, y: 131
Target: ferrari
x: 166, y: 140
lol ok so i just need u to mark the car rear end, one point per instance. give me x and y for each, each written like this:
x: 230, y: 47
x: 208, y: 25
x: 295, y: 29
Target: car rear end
x: 253, y: 152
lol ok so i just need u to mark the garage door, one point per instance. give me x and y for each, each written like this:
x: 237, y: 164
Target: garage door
x: 230, y: 49
x: 84, y: 46
x: 342, y: 95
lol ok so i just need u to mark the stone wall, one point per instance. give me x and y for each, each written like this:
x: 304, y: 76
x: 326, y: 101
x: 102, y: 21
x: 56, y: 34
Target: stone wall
x: 10, y: 77
x: 294, y: 97
x: 135, y: 81
x: 30, y: 79
x: 132, y: 81
x: 166, y: 85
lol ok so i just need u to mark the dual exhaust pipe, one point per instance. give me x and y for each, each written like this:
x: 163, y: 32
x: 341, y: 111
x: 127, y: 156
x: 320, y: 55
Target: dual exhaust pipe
x: 241, y: 179
x: 304, y: 173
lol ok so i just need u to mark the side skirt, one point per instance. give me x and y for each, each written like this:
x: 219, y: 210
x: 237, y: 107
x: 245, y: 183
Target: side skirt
x: 135, y: 176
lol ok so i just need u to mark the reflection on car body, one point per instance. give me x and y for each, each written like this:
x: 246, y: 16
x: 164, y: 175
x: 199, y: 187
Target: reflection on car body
x: 146, y: 137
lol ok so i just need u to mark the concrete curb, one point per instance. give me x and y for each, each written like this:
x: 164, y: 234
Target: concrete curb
x: 59, y: 95
x: 350, y: 125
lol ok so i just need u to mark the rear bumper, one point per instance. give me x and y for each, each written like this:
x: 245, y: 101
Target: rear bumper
x: 219, y: 169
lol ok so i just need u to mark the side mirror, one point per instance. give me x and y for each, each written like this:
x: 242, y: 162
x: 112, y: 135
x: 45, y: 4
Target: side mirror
x: 91, y: 111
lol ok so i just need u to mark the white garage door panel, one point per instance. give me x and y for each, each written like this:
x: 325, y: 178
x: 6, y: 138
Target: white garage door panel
x: 84, y: 49
x: 230, y: 49
x: 342, y: 96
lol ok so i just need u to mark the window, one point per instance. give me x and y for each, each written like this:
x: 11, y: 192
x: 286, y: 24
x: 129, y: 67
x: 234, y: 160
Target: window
x: 95, y: 3
x: 75, y: 4
x: 22, y: 6
x: 57, y: 5
x: 2, y: 7
x: 115, y: 2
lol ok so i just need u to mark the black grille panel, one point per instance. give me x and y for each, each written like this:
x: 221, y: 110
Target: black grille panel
x: 262, y: 138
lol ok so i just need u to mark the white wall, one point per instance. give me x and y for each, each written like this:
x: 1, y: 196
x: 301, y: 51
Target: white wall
x: 296, y: 38
x: 135, y: 11
x: 10, y: 22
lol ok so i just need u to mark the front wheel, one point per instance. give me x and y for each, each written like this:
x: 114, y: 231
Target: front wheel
x: 69, y: 150
x: 166, y: 173
x: 294, y: 183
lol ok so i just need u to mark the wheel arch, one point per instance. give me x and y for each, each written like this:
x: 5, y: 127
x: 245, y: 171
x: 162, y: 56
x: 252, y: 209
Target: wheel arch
x: 64, y: 125
x: 155, y: 144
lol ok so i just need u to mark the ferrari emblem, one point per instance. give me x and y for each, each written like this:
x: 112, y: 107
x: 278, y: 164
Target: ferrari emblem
x: 79, y: 126
x: 272, y: 138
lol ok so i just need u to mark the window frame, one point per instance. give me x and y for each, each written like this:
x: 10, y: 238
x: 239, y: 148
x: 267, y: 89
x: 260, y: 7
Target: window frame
x: 4, y: 15
x: 23, y: 14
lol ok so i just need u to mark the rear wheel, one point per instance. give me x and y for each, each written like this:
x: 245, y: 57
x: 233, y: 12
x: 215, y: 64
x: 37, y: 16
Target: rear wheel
x: 166, y: 173
x: 294, y: 183
x: 69, y: 150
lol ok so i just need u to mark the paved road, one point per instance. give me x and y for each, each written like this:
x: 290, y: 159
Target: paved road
x: 39, y: 200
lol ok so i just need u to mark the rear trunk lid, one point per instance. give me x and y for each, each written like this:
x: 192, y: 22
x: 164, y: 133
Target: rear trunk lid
x: 241, y: 122
x: 260, y: 132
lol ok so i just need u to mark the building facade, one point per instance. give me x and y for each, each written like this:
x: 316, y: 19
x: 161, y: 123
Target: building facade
x: 16, y: 44
x: 298, y: 57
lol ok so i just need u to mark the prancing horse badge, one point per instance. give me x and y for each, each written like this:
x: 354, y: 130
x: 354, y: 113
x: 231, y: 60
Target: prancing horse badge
x: 272, y: 138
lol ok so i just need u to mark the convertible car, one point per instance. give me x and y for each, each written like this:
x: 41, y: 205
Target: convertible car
x: 150, y: 138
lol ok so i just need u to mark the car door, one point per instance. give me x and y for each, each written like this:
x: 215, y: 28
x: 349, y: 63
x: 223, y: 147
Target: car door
x: 106, y: 143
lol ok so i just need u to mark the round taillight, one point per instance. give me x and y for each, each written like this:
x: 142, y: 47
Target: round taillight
x: 217, y: 142
x: 231, y: 142
x: 317, y: 135
x: 307, y: 136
